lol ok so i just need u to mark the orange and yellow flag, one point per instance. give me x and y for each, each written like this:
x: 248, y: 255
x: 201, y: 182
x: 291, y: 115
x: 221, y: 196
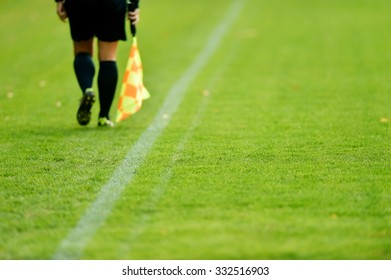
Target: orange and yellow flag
x: 133, y: 91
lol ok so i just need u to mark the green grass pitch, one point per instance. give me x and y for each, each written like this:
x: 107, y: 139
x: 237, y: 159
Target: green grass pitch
x: 280, y: 148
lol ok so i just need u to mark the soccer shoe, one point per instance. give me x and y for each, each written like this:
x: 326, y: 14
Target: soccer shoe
x: 105, y: 122
x: 84, y: 111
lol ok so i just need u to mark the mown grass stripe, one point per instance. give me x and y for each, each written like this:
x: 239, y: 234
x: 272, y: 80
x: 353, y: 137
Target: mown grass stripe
x: 73, y: 245
x: 142, y: 220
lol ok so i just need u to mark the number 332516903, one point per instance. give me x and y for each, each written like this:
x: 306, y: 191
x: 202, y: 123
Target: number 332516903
x: 234, y: 271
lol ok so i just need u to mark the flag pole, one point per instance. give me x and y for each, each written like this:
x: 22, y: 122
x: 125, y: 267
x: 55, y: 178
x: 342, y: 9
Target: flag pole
x: 132, y: 8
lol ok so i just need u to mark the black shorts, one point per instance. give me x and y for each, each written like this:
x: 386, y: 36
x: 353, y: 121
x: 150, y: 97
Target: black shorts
x: 104, y: 19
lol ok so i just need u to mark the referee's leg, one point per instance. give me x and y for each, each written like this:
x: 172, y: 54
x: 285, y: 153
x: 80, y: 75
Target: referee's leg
x: 85, y: 72
x: 83, y: 63
x: 107, y: 76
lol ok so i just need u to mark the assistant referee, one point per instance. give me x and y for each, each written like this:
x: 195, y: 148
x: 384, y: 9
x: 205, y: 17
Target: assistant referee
x: 105, y: 20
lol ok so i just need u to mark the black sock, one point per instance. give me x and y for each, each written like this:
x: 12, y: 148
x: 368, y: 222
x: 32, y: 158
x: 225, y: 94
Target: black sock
x: 107, y: 84
x: 85, y: 70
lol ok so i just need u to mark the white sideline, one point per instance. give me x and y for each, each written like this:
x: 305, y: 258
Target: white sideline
x: 73, y: 245
x: 141, y: 221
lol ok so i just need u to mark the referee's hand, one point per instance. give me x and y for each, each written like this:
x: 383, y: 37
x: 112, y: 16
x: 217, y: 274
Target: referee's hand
x: 62, y: 14
x: 134, y: 16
